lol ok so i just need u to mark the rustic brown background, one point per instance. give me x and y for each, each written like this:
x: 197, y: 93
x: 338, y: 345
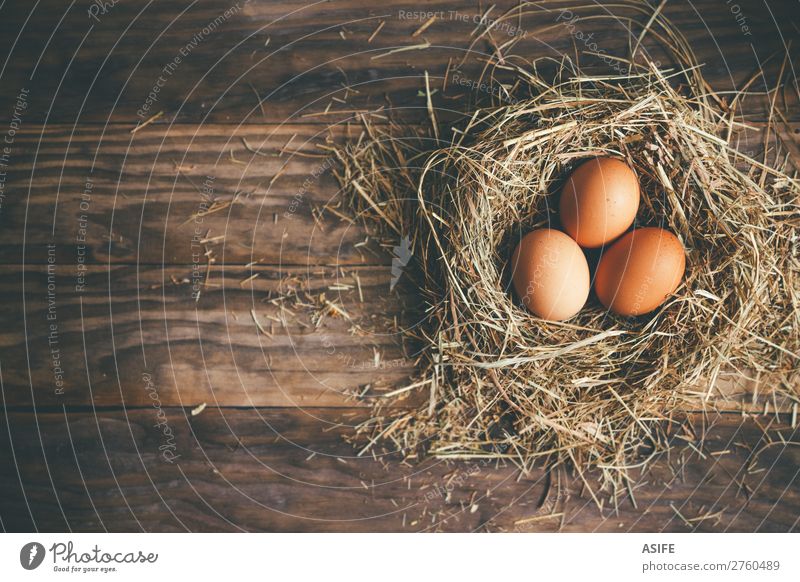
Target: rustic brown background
x: 267, y: 452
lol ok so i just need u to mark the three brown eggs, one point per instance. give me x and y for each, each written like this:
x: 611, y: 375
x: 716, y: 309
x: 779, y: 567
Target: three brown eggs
x: 637, y: 270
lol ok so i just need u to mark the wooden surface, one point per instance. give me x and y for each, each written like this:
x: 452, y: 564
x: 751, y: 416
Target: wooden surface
x: 114, y: 445
x: 289, y: 469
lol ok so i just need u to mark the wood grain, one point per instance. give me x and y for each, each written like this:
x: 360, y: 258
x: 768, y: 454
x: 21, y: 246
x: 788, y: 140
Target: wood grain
x: 132, y: 198
x: 289, y: 470
x: 130, y: 322
x: 143, y: 190
x: 297, y: 54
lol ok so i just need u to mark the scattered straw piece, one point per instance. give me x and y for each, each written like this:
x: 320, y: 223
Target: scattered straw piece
x: 413, y: 47
x: 258, y: 323
x: 147, y: 122
x: 198, y: 409
x: 538, y: 518
x: 424, y: 27
x: 376, y: 31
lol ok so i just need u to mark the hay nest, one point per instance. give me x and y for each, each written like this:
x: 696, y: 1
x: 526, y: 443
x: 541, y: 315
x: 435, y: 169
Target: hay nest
x: 598, y: 391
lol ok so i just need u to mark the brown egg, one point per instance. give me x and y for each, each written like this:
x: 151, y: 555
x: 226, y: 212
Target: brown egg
x: 639, y: 271
x: 599, y: 201
x: 550, y: 274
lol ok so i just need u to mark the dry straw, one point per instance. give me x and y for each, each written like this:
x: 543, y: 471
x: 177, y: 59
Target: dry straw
x: 598, y: 392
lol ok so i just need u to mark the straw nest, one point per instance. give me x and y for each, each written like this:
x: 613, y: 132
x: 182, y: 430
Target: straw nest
x: 599, y: 391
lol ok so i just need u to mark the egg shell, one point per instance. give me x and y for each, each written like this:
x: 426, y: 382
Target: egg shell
x: 550, y: 274
x: 639, y: 271
x: 599, y: 201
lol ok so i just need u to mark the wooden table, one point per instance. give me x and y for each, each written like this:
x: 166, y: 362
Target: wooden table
x: 106, y: 352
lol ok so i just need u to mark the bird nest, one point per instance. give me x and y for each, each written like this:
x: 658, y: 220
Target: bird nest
x: 599, y: 391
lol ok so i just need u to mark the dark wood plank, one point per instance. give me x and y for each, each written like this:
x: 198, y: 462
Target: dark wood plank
x: 118, y: 197
x: 96, y: 345
x: 138, y: 193
x: 297, y: 54
x: 290, y: 470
